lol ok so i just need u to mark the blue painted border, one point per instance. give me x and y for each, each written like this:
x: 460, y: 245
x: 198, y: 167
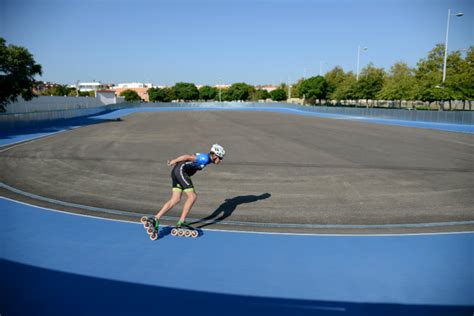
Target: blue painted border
x: 325, y: 272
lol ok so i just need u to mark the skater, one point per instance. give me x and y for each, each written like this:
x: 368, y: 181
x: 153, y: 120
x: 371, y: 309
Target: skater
x: 184, y: 167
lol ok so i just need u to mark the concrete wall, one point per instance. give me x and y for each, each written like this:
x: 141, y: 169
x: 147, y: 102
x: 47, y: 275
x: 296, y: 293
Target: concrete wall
x: 48, y: 104
x: 460, y: 105
x: 45, y: 108
x: 108, y: 97
x: 448, y: 117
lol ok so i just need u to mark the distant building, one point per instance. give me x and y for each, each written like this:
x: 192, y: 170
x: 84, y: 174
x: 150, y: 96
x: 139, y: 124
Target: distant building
x: 268, y: 88
x: 41, y: 86
x: 222, y: 86
x: 91, y: 86
x: 140, y: 88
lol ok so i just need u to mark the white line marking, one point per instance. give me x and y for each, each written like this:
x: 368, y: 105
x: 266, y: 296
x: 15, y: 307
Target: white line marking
x: 237, y: 231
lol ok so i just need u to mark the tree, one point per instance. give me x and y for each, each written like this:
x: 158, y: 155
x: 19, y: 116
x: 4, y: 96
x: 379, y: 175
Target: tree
x: 429, y: 75
x: 334, y: 78
x: 278, y: 95
x: 295, y: 89
x: 400, y: 83
x: 460, y: 75
x: 239, y: 91
x: 169, y: 94
x: 370, y: 82
x: 17, y: 71
x: 207, y: 93
x: 130, y: 95
x: 156, y: 94
x: 260, y: 94
x: 314, y: 88
x: 60, y: 90
x: 186, y: 91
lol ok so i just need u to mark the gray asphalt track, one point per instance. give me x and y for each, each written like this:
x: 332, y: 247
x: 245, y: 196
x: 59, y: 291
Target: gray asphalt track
x: 282, y: 172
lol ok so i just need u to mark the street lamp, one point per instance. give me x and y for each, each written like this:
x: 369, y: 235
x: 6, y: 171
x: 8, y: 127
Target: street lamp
x: 321, y: 67
x: 220, y: 96
x: 358, y: 59
x: 446, y: 44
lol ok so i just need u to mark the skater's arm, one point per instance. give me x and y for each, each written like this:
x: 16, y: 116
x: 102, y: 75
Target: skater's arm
x: 181, y: 158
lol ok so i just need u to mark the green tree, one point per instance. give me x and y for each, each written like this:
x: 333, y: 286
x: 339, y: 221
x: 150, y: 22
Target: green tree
x: 207, y: 93
x: 72, y: 92
x: 460, y: 75
x: 400, y: 83
x: 295, y: 89
x: 86, y: 93
x: 186, y: 91
x: 278, y: 95
x: 17, y: 71
x: 239, y: 91
x: 59, y: 90
x: 371, y: 81
x: 334, y: 78
x: 169, y: 94
x: 130, y: 95
x: 156, y: 95
x: 225, y: 96
x: 314, y: 88
x: 429, y: 77
x: 346, y: 89
x: 260, y: 94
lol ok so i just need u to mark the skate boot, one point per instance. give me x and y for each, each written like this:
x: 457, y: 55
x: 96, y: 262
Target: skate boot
x: 182, y: 229
x: 151, y: 224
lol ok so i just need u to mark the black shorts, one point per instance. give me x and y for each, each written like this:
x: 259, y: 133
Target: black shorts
x: 181, y: 180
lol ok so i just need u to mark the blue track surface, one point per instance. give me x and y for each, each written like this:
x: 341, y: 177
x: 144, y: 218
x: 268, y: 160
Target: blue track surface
x: 303, y: 272
x: 54, y: 263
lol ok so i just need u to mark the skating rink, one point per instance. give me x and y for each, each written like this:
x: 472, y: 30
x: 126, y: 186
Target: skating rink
x: 307, y: 214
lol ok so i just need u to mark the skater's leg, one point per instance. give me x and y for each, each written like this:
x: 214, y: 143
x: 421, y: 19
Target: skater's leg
x: 175, y: 198
x: 191, y: 198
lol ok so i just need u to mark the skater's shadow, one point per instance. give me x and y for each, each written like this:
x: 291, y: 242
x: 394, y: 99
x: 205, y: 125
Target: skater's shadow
x: 164, y: 231
x: 227, y: 208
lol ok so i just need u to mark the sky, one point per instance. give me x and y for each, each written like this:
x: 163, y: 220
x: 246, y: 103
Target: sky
x: 226, y: 41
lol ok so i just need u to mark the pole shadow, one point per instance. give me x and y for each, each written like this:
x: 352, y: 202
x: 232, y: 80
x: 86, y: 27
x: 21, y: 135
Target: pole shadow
x: 227, y: 208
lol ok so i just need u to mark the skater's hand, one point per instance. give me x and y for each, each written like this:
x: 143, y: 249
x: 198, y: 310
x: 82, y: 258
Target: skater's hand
x: 171, y: 163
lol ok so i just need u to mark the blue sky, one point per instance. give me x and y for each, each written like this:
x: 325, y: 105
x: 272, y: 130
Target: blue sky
x: 226, y: 41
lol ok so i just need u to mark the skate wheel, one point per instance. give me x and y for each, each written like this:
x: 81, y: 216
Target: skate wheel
x: 143, y: 219
x: 154, y: 236
x: 187, y: 233
x: 174, y: 232
x: 150, y: 231
x: 180, y: 232
x: 194, y: 234
x: 146, y: 224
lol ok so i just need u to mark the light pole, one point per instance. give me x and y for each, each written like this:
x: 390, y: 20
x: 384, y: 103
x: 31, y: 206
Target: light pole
x: 446, y: 43
x: 220, y: 97
x: 358, y: 59
x: 289, y: 88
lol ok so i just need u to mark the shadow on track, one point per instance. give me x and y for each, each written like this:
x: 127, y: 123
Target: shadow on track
x: 29, y: 290
x: 227, y: 208
x: 8, y: 131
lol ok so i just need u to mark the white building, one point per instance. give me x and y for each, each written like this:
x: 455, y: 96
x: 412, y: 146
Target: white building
x: 90, y: 86
x: 134, y: 85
